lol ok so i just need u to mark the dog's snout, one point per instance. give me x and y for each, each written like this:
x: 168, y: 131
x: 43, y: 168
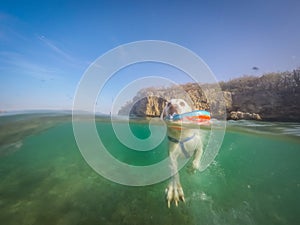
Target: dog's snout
x: 173, y: 108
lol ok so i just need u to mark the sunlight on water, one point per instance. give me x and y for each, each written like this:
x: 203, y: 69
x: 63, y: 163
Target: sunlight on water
x: 44, y: 179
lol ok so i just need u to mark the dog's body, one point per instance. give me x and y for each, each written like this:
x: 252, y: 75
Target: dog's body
x: 183, y: 142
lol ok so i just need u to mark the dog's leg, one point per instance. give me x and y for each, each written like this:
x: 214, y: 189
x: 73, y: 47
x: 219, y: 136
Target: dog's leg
x: 174, y: 190
x: 196, y: 161
x: 197, y: 157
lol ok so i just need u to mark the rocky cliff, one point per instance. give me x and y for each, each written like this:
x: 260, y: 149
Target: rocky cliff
x: 274, y: 96
x: 151, y: 101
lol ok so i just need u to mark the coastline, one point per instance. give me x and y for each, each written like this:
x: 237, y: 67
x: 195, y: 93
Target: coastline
x: 270, y: 97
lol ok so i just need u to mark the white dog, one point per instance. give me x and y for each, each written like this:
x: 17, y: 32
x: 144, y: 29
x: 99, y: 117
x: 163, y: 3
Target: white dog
x: 183, y: 142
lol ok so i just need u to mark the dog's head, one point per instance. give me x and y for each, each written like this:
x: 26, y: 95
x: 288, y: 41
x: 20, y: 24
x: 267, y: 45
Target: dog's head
x: 175, y: 106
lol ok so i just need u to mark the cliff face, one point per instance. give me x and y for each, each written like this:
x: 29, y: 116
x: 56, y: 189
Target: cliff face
x: 270, y: 97
x: 151, y: 101
x: 148, y: 106
x: 274, y: 96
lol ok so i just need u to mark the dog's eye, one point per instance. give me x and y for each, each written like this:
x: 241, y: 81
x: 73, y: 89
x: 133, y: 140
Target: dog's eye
x: 182, y: 104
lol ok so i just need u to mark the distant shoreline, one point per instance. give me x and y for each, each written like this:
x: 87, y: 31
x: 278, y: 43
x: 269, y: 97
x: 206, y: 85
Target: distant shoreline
x: 270, y: 97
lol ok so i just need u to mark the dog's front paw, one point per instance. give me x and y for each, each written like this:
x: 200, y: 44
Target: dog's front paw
x: 196, y: 165
x: 174, y: 192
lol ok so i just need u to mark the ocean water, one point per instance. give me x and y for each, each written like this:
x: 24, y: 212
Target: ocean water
x: 44, y: 179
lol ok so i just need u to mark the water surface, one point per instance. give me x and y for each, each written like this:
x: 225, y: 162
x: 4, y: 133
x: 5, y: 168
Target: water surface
x: 45, y: 180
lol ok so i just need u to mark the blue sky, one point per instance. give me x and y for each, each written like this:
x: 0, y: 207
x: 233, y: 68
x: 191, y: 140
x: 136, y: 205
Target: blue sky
x: 45, y: 46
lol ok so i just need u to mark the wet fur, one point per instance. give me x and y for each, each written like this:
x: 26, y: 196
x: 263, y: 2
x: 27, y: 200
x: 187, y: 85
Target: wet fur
x: 174, y: 191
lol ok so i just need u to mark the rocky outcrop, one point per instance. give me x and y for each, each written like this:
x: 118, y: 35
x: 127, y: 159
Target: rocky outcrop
x: 148, y: 106
x: 237, y: 115
x: 272, y: 96
x: 151, y: 101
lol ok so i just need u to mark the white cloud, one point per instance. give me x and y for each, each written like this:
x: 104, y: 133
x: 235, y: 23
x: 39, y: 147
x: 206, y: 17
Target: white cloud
x: 56, y: 49
x: 62, y: 53
x: 17, y: 63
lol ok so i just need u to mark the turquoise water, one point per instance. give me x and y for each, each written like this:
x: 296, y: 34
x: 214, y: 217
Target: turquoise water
x: 45, y: 180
